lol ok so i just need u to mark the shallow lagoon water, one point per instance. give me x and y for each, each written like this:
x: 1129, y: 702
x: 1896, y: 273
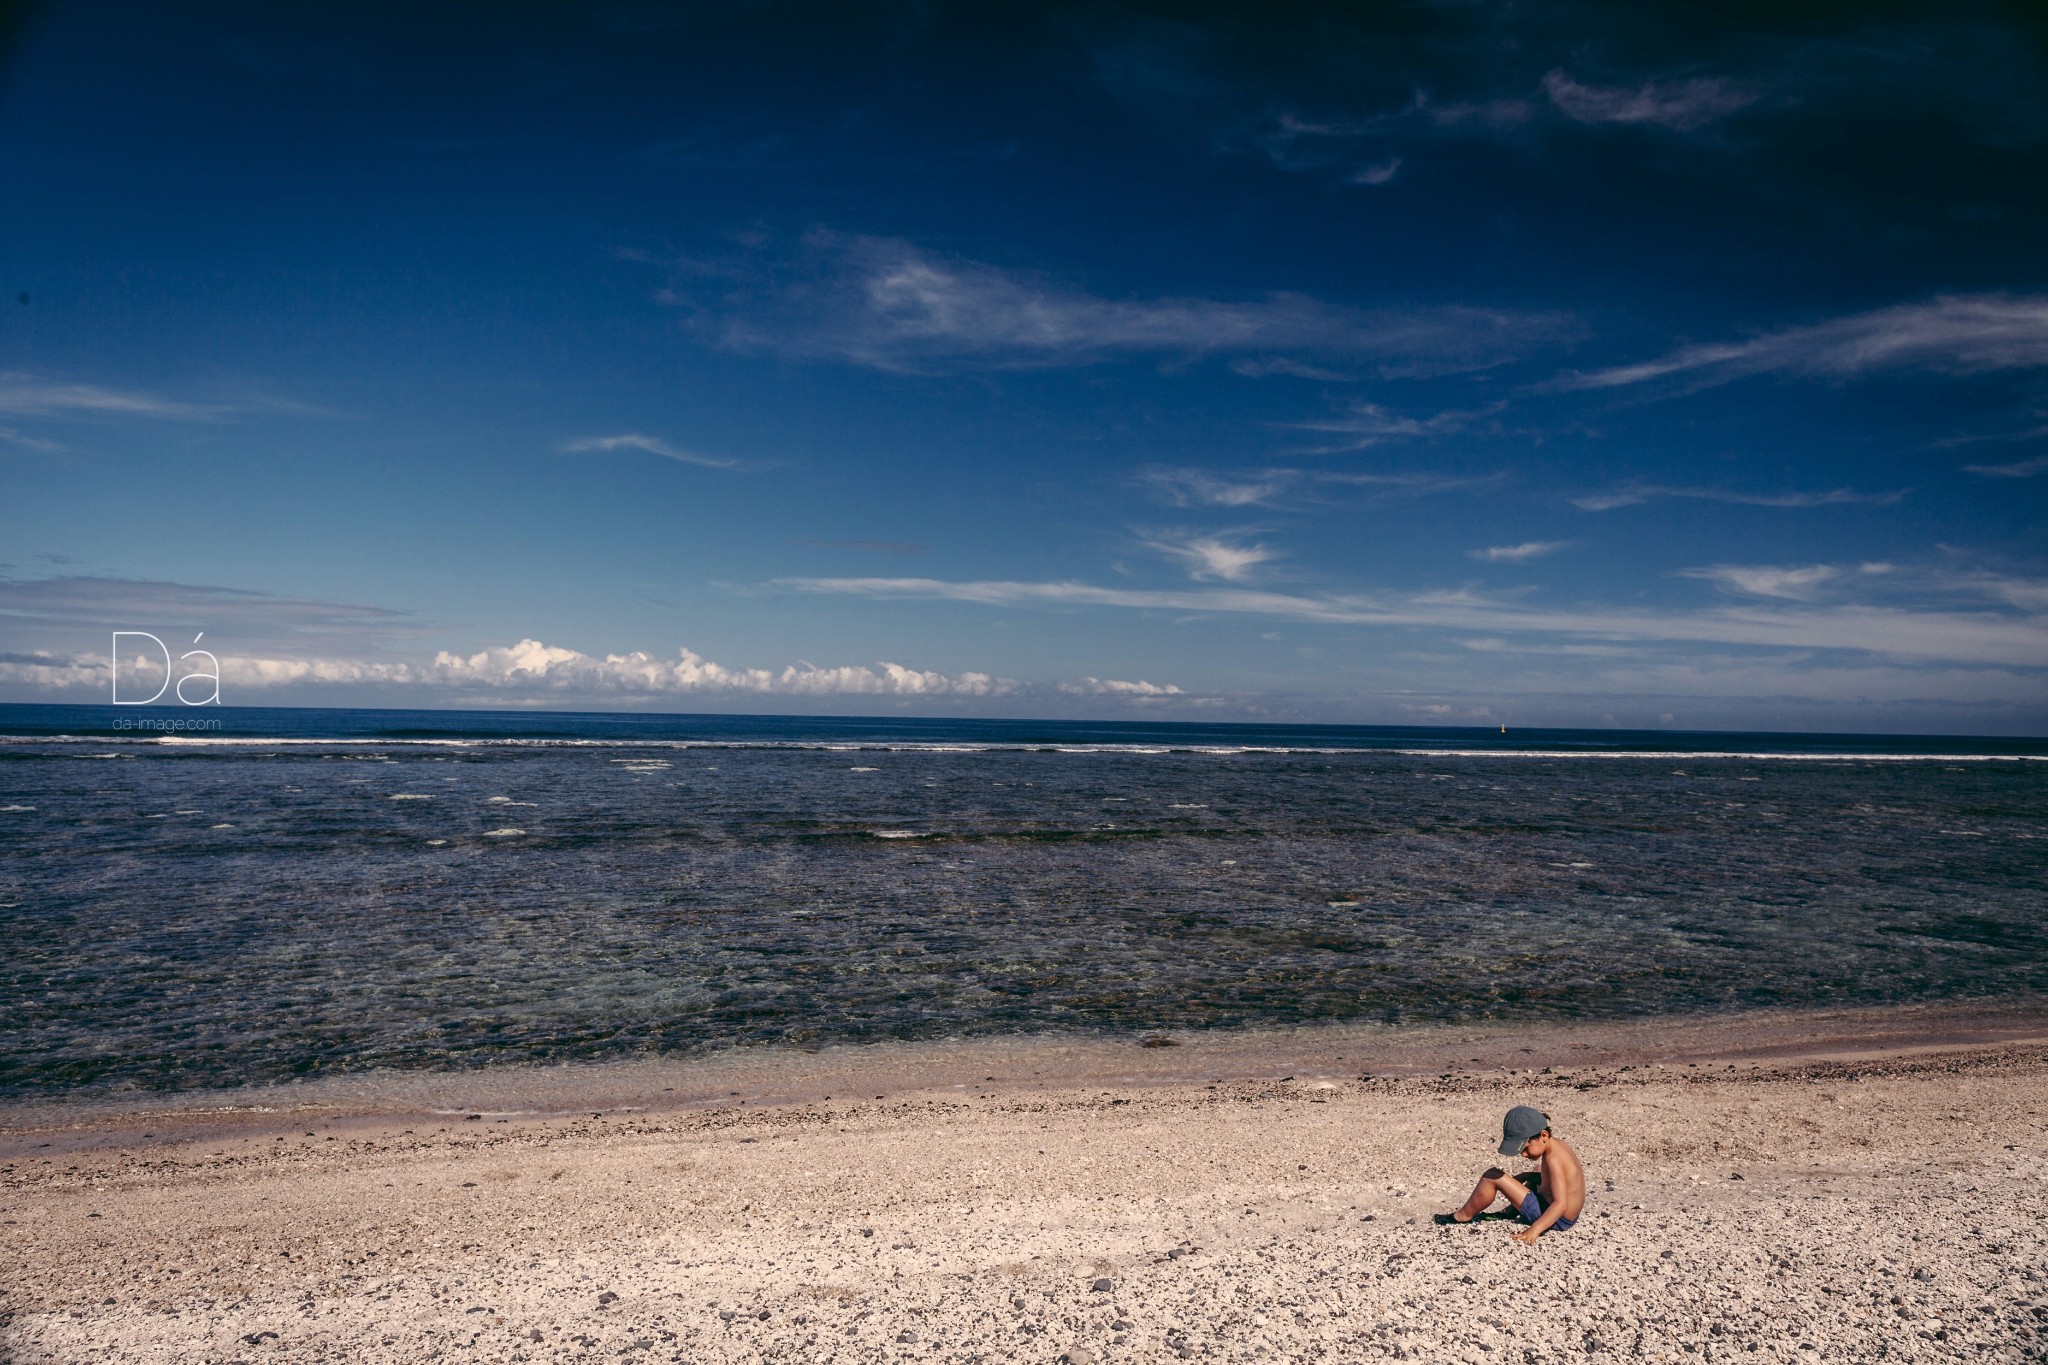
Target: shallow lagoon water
x: 186, y: 915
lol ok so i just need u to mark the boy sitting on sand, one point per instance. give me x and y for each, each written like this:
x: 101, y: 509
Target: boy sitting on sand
x: 1552, y: 1196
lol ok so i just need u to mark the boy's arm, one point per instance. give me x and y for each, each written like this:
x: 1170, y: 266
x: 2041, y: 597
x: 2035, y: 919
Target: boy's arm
x: 1551, y: 1214
x: 1552, y: 1211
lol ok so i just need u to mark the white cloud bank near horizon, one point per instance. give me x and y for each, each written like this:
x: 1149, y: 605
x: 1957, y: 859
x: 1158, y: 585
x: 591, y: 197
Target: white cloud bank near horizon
x: 1955, y: 638
x: 531, y: 668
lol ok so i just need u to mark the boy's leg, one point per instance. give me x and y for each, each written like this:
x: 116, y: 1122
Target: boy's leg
x: 1494, y: 1184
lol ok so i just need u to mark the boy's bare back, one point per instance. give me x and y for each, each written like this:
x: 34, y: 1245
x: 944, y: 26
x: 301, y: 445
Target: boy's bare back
x: 1564, y: 1179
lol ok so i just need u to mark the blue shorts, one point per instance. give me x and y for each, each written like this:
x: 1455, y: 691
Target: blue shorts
x: 1532, y: 1210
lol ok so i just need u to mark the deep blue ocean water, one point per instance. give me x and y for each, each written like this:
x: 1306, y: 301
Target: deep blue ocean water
x: 303, y: 892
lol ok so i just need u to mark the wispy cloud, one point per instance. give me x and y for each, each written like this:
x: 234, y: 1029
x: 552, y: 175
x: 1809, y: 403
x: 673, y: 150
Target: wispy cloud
x: 1883, y: 581
x: 651, y: 445
x: 1680, y: 105
x: 1364, y: 425
x: 1518, y: 554
x: 29, y: 395
x: 79, y: 600
x: 1273, y: 487
x: 1959, y: 637
x: 1798, y: 584
x: 1371, y: 149
x: 1412, y: 483
x: 1262, y: 367
x: 1200, y: 488
x: 1628, y: 495
x: 887, y: 304
x: 1365, y: 150
x: 2023, y: 594
x: 28, y: 442
x: 2019, y: 469
x: 1210, y: 558
x: 1953, y: 334
x: 1376, y: 172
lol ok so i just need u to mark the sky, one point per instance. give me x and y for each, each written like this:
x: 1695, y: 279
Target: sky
x: 1436, y: 363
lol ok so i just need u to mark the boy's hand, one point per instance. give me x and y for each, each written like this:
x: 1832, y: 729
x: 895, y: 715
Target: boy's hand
x: 1527, y: 1236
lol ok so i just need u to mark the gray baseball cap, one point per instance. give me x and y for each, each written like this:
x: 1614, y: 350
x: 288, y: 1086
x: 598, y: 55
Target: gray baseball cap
x: 1521, y: 1124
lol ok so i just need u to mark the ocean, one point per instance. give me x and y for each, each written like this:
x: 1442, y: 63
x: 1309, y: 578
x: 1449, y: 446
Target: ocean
x: 310, y: 893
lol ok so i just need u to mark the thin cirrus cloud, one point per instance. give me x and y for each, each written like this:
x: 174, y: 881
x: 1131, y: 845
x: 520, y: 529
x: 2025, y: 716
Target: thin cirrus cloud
x: 1365, y: 150
x: 1797, y: 584
x: 78, y: 601
x: 1409, y: 483
x: 28, y: 395
x: 1210, y: 558
x: 1682, y: 106
x: 1977, y: 636
x: 1364, y: 425
x: 1518, y: 554
x: 1629, y: 495
x: 27, y: 442
x: 1264, y: 367
x: 2019, y: 469
x: 1952, y: 334
x: 1812, y: 582
x: 1183, y: 487
x: 887, y: 304
x: 652, y: 446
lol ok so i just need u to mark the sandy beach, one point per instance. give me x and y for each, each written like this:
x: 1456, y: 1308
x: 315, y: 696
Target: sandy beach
x: 1812, y: 1187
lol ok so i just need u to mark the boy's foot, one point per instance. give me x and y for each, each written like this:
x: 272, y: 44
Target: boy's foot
x: 1446, y: 1219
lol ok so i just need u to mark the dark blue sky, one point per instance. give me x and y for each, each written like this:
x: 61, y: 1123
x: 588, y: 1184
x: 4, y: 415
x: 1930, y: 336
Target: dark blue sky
x: 1461, y: 362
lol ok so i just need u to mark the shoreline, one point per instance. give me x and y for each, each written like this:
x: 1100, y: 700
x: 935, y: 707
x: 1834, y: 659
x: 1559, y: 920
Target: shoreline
x: 761, y: 1079
x: 1820, y: 1191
